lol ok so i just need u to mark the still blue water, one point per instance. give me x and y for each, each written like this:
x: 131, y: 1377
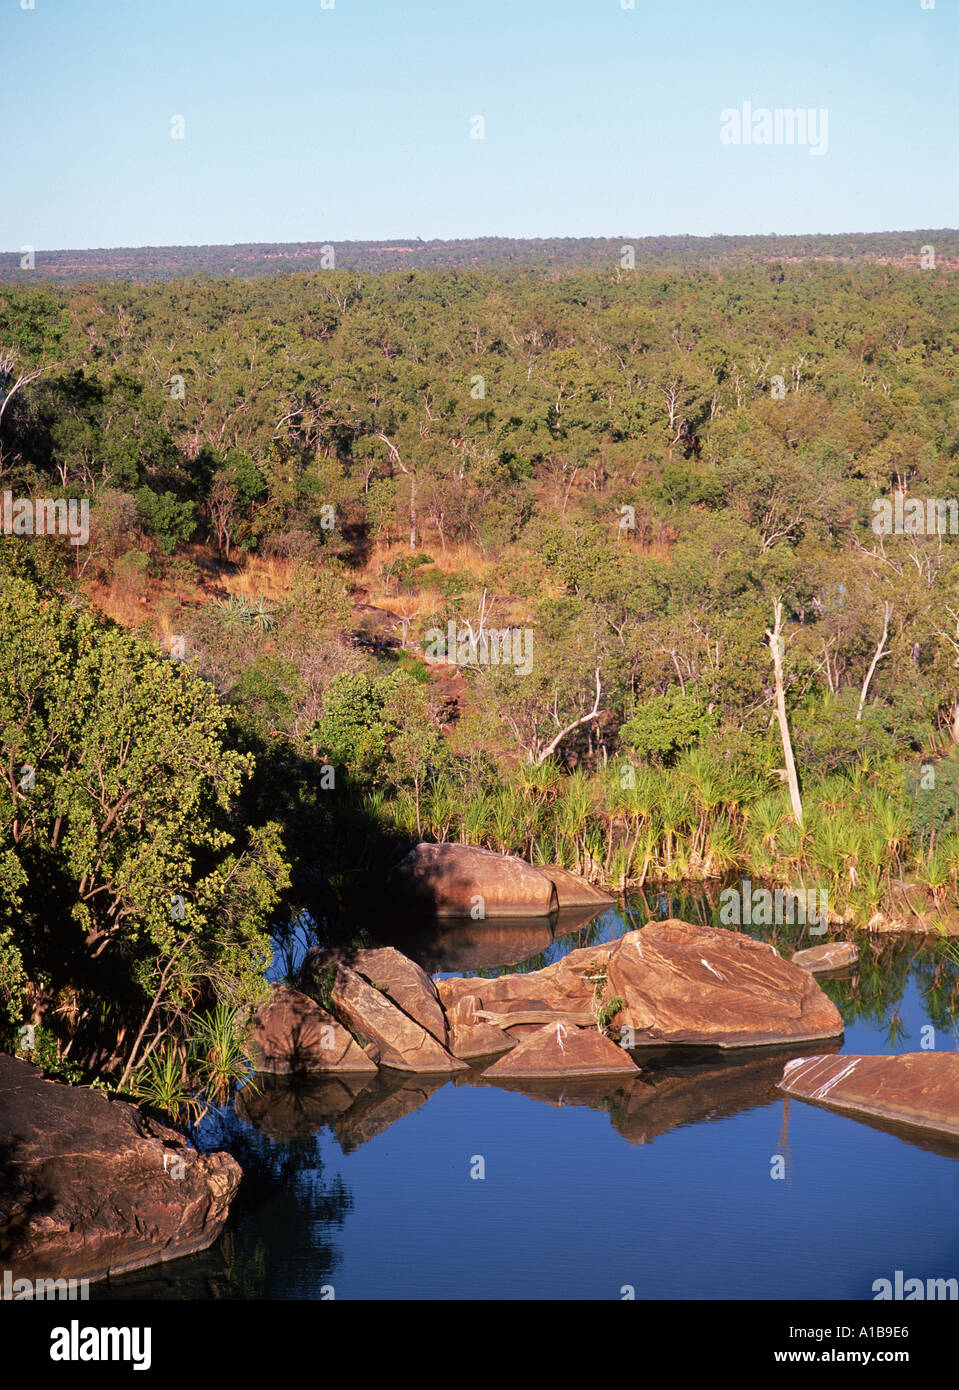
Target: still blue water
x: 663, y: 1185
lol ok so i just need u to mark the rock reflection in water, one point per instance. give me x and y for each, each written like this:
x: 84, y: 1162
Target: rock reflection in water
x: 671, y: 1091
x: 459, y: 948
x: 356, y: 1108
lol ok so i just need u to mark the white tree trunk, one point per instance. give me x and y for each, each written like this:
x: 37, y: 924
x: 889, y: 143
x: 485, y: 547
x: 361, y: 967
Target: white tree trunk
x: 777, y: 645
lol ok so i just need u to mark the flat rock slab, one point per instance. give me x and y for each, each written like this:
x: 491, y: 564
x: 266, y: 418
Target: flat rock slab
x: 831, y: 955
x: 556, y: 1050
x: 568, y: 986
x: 398, y: 1040
x: 463, y: 881
x: 919, y: 1090
x: 390, y: 972
x: 294, y: 1035
x: 695, y: 984
x: 470, y: 1040
x: 573, y: 891
x: 84, y: 1189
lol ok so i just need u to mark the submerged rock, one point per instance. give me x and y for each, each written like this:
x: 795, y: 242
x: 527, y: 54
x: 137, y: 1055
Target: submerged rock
x: 831, y: 955
x: 91, y: 1187
x: 919, y: 1090
x: 462, y: 881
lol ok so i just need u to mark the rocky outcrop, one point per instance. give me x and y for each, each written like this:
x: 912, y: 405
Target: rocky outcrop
x: 677, y: 983
x: 917, y: 1090
x: 556, y: 1050
x: 462, y: 881
x: 292, y: 1034
x: 91, y: 1187
x: 693, y: 984
x: 397, y: 1040
x: 470, y: 1036
x: 471, y: 1040
x: 831, y: 955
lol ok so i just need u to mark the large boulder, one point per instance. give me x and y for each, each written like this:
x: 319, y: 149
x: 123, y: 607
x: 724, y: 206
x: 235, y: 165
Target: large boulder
x: 462, y: 881
x: 919, y: 1090
x: 91, y: 1187
x: 831, y: 955
x: 397, y: 1039
x: 557, y: 1050
x: 388, y: 970
x: 294, y: 1035
x: 695, y: 984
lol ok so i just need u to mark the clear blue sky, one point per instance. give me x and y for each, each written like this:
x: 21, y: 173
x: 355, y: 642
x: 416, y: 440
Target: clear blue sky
x: 312, y: 124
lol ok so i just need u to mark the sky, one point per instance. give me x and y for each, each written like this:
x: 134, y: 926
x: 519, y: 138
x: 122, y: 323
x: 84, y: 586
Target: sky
x: 326, y: 120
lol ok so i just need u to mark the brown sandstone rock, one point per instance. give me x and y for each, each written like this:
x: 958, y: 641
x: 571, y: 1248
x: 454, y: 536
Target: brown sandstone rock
x: 459, y: 880
x: 915, y: 1089
x: 399, y: 1040
x: 568, y: 986
x: 465, y: 1009
x: 469, y: 1040
x: 84, y: 1191
x: 556, y: 1050
x: 292, y: 1034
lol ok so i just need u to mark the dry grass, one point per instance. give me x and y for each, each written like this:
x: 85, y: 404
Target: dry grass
x: 271, y: 576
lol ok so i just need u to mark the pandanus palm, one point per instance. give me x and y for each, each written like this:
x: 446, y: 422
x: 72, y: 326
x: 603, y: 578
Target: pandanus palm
x: 475, y: 820
x: 676, y: 813
x: 703, y: 775
x: 574, y: 808
x: 441, y: 808
x: 891, y: 819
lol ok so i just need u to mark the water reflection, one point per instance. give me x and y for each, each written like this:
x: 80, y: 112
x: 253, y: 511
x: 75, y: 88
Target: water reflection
x: 292, y: 1222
